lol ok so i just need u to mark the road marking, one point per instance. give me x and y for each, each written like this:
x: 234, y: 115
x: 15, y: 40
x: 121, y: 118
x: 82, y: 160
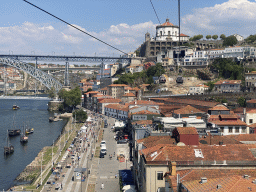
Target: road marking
x: 103, y: 177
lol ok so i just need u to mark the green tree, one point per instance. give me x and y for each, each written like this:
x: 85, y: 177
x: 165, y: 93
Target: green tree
x: 250, y: 39
x: 230, y: 41
x: 71, y: 98
x: 211, y: 85
x: 215, y: 37
x: 241, y: 101
x: 52, y: 93
x: 208, y: 36
x: 222, y: 36
x: 224, y: 100
x: 80, y: 115
x: 89, y: 89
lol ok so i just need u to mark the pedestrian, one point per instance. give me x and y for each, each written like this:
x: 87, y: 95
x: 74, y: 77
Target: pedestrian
x: 102, y: 186
x: 61, y: 185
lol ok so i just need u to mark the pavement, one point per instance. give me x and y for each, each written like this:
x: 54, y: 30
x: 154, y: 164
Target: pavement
x: 102, y: 170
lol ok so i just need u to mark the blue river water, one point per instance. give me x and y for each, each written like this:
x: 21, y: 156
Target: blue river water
x: 34, y: 113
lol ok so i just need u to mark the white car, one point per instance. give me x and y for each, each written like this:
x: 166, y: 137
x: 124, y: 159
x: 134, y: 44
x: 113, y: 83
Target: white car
x: 103, y: 142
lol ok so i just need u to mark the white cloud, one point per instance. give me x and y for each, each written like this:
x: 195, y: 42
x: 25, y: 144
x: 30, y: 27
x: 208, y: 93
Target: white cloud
x: 64, y: 39
x: 233, y: 16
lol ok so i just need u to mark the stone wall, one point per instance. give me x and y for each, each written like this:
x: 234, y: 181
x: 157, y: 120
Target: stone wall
x: 54, y: 105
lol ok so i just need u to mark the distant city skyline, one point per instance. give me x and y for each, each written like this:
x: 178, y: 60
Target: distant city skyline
x: 27, y: 30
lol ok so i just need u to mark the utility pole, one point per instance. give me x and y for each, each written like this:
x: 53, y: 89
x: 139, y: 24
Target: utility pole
x: 179, y: 31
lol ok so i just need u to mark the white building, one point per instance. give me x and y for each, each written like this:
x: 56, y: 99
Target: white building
x: 170, y: 31
x: 198, y: 89
x: 196, y: 58
x: 250, y: 117
x: 239, y: 37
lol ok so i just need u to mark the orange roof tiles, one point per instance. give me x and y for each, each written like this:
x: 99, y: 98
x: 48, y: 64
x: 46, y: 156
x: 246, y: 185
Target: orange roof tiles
x: 251, y: 111
x: 187, y: 130
x: 104, y: 89
x: 187, y: 110
x: 118, y: 85
x: 228, y: 82
x: 231, y: 123
x: 110, y: 101
x: 219, y: 108
x: 183, y: 35
x: 143, y: 102
x: 180, y: 154
x: 117, y: 107
x: 145, y: 112
x: 142, y: 122
x: 167, y: 23
x: 129, y: 95
x: 152, y: 141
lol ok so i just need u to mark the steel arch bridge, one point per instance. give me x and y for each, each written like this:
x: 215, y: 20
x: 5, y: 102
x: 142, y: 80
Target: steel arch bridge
x: 41, y: 76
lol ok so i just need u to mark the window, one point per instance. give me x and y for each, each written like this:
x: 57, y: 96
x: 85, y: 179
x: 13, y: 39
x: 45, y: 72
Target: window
x: 160, y: 175
x: 230, y: 129
x: 237, y: 129
x: 221, y: 129
x: 250, y: 120
x: 243, y: 129
x: 161, y: 33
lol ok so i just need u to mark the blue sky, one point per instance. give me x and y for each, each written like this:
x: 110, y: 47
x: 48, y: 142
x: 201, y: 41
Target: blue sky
x: 123, y: 24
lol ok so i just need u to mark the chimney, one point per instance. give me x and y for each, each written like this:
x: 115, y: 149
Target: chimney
x: 244, y: 111
x: 203, y: 180
x: 218, y: 186
x: 173, y: 164
x: 246, y: 176
x: 135, y: 102
x: 221, y: 143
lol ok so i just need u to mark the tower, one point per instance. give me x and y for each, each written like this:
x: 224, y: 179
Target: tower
x: 147, y: 36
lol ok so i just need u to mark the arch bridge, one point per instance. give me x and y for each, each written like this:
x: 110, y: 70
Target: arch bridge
x: 46, y: 79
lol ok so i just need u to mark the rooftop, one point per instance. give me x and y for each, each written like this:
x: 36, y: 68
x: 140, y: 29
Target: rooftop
x: 219, y: 107
x: 228, y: 82
x: 187, y: 110
x: 187, y: 130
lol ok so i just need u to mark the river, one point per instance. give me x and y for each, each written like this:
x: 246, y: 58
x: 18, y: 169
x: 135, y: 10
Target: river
x: 35, y: 114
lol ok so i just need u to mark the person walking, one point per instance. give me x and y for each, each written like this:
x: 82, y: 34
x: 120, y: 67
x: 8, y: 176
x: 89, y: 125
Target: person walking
x: 102, y: 186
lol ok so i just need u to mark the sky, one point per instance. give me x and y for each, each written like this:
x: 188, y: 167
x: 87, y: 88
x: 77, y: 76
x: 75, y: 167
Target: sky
x: 25, y: 29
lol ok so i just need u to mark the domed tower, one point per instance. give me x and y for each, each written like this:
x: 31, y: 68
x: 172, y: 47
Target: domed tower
x: 167, y: 30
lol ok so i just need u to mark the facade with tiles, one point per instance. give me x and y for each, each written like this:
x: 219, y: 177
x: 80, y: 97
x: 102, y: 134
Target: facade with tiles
x: 227, y: 86
x: 250, y: 81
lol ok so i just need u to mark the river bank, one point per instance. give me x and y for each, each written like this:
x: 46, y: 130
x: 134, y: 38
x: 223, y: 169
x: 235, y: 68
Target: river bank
x: 31, y: 174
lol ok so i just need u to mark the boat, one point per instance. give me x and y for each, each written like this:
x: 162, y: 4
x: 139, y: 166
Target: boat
x: 14, y: 132
x: 15, y: 107
x: 24, y: 137
x: 9, y: 148
x: 29, y: 131
x: 51, y: 119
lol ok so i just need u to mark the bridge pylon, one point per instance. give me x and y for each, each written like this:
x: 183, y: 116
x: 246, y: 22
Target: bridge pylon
x: 66, y: 76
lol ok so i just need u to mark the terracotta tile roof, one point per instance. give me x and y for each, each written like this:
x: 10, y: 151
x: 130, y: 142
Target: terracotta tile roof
x: 228, y: 116
x: 157, y: 141
x: 98, y: 95
x: 252, y: 125
x: 231, y: 123
x: 144, y: 85
x: 251, y: 101
x: 143, y: 102
x: 251, y: 111
x: 216, y: 139
x: 230, y: 184
x: 219, y: 108
x: 142, y: 122
x: 228, y: 82
x: 187, y: 130
x: 129, y: 95
x: 110, y: 101
x: 117, y: 85
x: 117, y: 107
x: 201, y: 85
x: 181, y: 154
x: 243, y: 137
x: 104, y: 89
x: 191, y: 102
x: 167, y: 23
x: 145, y: 112
x: 183, y: 35
x: 93, y: 92
x: 187, y: 110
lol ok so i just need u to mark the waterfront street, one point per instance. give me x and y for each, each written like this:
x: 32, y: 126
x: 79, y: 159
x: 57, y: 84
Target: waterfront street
x: 101, y: 170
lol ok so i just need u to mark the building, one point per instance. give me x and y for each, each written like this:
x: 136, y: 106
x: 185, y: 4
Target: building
x: 117, y: 111
x: 251, y: 103
x: 250, y: 117
x: 227, y: 86
x: 230, y: 125
x: 167, y: 36
x: 250, y: 81
x: 188, y: 111
x: 198, y: 89
x: 186, y: 135
x: 116, y: 90
x: 156, y: 161
x: 239, y: 37
x: 104, y: 102
x: 143, y: 115
x: 128, y: 97
x: 196, y: 58
x: 218, y: 109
